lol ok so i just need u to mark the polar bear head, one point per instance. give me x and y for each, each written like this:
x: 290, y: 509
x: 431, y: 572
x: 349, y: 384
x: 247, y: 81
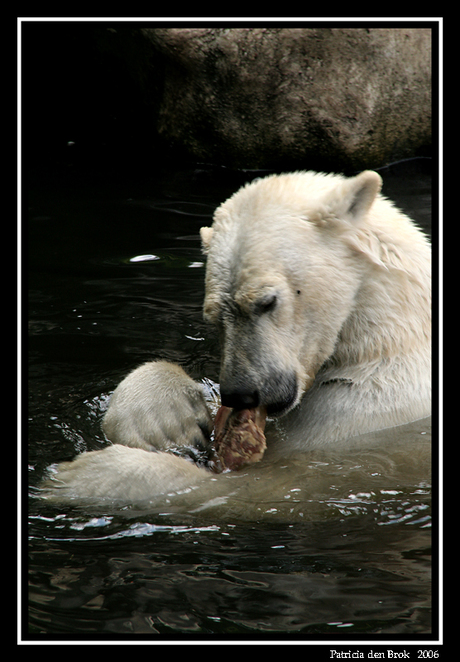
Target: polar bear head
x: 282, y: 274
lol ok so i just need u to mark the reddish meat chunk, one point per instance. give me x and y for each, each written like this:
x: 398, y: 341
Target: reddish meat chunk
x: 239, y: 438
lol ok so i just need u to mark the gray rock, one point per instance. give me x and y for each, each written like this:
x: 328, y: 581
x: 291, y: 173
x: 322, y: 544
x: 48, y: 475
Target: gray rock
x: 348, y: 98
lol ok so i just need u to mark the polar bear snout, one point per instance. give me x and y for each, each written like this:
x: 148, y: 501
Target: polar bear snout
x: 282, y: 396
x: 278, y: 395
x: 240, y: 398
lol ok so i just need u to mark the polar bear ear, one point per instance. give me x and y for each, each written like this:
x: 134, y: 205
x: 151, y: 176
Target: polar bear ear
x: 352, y: 200
x: 206, y: 235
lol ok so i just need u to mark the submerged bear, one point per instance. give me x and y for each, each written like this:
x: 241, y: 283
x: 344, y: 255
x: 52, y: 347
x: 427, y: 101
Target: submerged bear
x: 320, y: 290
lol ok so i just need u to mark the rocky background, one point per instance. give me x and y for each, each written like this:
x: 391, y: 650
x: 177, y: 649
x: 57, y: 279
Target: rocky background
x: 339, y: 99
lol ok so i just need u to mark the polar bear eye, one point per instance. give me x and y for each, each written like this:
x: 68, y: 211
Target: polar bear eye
x: 267, y: 303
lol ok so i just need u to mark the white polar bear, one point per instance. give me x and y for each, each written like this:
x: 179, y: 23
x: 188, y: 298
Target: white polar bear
x: 320, y: 290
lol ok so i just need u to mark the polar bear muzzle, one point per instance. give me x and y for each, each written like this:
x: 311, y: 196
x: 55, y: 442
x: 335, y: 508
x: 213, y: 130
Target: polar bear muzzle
x: 278, y: 395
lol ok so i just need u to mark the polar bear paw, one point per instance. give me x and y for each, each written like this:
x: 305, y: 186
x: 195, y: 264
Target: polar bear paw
x: 158, y: 407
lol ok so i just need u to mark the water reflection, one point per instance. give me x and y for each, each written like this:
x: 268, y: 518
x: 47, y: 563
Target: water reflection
x: 230, y: 578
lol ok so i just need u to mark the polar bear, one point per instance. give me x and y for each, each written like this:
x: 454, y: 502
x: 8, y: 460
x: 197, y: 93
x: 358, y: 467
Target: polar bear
x: 320, y: 291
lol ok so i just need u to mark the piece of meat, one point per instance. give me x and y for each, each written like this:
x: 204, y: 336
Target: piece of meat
x: 239, y: 439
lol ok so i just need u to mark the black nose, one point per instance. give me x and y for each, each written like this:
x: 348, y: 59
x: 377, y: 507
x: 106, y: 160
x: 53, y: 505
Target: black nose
x: 239, y: 399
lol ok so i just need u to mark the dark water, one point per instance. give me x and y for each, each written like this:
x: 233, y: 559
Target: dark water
x: 350, y: 559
